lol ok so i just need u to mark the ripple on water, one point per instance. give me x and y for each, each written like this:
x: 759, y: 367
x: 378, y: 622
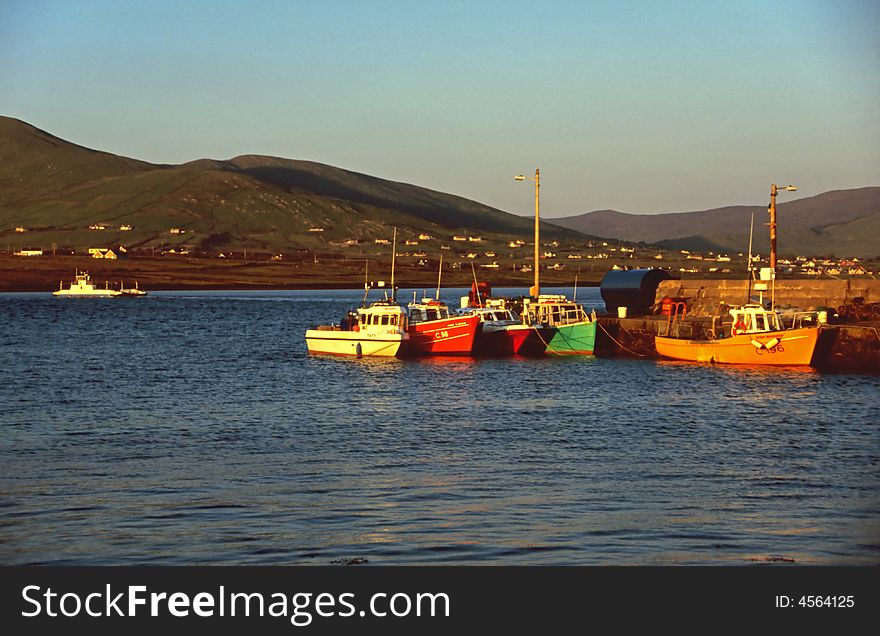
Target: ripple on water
x: 195, y: 428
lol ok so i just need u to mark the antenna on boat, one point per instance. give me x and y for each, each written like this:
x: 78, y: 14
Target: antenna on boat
x: 476, y: 286
x: 749, y: 266
x: 439, y: 273
x: 576, y: 286
x: 366, y: 281
x: 393, y: 254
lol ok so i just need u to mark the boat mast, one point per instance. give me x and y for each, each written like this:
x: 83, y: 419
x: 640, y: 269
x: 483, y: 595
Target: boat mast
x: 774, y: 190
x: 366, y: 281
x: 476, y: 286
x: 749, y: 265
x: 393, y: 254
x: 536, y: 290
x: 440, y: 273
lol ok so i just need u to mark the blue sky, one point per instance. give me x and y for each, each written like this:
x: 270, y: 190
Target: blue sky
x: 637, y: 106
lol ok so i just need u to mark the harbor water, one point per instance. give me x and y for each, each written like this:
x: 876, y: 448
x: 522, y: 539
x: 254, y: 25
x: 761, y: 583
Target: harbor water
x: 194, y: 428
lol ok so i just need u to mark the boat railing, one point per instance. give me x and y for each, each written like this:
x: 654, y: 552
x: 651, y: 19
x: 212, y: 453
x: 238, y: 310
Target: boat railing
x: 674, y: 318
x: 800, y: 319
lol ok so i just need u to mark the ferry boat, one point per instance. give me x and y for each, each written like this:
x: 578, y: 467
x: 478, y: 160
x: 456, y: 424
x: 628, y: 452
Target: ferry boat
x: 82, y: 286
x: 434, y: 330
x: 377, y: 330
x: 757, y: 337
x: 565, y: 326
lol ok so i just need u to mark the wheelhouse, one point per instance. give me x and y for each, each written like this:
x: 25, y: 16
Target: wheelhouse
x: 554, y: 311
x: 754, y: 319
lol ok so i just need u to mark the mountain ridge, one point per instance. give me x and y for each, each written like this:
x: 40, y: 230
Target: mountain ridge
x: 842, y: 222
x: 56, y: 189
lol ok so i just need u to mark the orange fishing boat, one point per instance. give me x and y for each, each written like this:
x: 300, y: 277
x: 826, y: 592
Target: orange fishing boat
x: 757, y: 337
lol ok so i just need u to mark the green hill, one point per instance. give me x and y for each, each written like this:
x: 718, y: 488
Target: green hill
x: 56, y: 190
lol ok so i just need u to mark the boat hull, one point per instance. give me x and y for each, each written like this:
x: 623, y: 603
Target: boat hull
x: 453, y: 336
x: 577, y: 338
x: 91, y: 293
x: 502, y: 341
x: 354, y: 343
x: 783, y: 348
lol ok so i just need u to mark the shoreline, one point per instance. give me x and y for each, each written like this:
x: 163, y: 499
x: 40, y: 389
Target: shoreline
x: 45, y: 273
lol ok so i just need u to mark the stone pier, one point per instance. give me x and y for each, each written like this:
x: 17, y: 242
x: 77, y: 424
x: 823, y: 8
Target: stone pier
x: 851, y: 347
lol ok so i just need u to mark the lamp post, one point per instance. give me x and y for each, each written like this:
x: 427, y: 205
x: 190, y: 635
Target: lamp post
x: 774, y: 189
x: 536, y: 289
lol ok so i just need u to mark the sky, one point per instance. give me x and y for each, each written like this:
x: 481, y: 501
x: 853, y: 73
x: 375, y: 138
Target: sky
x: 634, y: 105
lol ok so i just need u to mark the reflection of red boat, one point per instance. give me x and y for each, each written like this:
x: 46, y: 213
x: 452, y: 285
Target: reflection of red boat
x: 434, y: 330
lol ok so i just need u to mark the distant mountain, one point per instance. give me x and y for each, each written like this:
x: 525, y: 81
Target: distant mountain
x: 55, y: 190
x: 841, y: 222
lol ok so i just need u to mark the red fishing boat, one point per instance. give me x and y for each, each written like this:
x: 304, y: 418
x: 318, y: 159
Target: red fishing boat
x: 434, y: 330
x: 502, y: 332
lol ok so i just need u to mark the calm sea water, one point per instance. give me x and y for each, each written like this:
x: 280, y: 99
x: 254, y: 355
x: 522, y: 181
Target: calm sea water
x: 192, y: 428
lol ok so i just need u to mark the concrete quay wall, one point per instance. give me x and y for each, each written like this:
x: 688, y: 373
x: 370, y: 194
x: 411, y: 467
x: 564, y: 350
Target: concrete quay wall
x: 705, y: 297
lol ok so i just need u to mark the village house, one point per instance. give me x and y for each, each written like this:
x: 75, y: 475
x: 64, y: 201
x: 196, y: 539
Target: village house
x: 102, y: 252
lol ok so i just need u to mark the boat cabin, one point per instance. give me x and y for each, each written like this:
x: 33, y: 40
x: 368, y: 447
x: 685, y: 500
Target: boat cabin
x: 381, y: 318
x: 754, y: 319
x: 498, y: 315
x: 553, y: 311
x: 428, y: 310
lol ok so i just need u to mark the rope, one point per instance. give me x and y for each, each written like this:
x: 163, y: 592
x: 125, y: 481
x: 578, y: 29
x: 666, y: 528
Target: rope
x: 641, y: 355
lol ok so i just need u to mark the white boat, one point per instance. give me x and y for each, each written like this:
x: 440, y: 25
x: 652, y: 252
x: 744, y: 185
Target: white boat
x: 131, y: 291
x: 377, y: 330
x: 82, y: 286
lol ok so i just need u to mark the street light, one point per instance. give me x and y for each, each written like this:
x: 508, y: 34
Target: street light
x: 536, y: 289
x: 772, y: 210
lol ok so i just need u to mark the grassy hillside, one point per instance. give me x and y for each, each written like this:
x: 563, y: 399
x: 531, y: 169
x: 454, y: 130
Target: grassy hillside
x: 56, y: 190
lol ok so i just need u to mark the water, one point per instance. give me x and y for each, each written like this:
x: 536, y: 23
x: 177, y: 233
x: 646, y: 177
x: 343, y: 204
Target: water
x: 193, y: 428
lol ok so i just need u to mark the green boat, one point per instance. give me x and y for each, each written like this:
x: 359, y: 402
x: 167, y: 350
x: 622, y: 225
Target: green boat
x: 560, y: 324
x: 573, y: 329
